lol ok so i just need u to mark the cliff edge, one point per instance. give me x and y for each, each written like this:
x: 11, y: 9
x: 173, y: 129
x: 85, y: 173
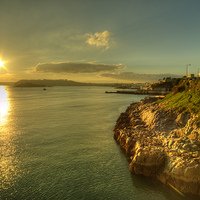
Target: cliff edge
x: 163, y: 142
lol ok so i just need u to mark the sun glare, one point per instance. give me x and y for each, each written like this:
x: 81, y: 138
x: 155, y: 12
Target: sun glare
x: 1, y: 63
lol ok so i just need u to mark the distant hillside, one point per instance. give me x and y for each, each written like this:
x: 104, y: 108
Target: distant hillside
x: 29, y: 84
x: 49, y: 83
x: 6, y: 83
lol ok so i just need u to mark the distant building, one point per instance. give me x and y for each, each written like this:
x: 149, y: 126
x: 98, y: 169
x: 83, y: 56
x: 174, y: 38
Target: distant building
x: 144, y: 87
x: 166, y: 80
x: 190, y: 76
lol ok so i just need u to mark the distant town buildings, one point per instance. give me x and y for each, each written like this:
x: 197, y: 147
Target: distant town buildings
x: 163, y: 86
x: 192, y: 77
x: 130, y: 85
x: 167, y: 80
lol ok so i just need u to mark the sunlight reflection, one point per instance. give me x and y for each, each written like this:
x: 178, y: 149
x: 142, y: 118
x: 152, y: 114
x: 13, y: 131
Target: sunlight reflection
x: 4, y: 105
x: 8, y: 161
x: 176, y: 189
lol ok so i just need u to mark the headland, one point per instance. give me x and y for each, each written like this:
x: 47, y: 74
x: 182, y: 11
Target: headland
x: 162, y: 137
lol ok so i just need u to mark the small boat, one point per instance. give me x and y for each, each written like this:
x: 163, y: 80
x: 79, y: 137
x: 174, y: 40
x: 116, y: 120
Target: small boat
x: 44, y: 89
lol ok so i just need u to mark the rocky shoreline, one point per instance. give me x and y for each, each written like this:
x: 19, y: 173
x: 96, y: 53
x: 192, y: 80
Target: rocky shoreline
x: 162, y: 143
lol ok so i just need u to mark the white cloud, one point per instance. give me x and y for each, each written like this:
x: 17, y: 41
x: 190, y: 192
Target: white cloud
x: 76, y: 68
x: 99, y: 39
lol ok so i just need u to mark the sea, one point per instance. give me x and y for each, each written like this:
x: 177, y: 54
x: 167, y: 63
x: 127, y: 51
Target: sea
x: 58, y: 144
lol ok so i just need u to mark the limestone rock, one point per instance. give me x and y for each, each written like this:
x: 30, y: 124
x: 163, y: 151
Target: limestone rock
x: 162, y: 143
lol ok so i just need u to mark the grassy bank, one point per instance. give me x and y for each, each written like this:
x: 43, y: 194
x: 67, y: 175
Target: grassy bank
x: 184, y: 97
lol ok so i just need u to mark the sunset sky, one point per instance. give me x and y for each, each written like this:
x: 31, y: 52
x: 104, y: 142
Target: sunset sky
x: 99, y: 40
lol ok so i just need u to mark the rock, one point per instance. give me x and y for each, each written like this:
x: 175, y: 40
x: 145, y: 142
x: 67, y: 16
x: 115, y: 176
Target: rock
x: 182, y: 119
x: 148, y: 163
x: 162, y: 143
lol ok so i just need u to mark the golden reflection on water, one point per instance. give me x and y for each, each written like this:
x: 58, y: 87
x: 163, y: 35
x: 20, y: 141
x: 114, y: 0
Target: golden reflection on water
x: 4, y: 105
x: 8, y: 167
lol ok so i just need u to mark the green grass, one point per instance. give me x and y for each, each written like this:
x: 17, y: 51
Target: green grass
x: 186, y: 100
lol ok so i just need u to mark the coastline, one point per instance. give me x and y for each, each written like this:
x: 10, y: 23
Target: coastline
x: 139, y: 92
x: 162, y: 143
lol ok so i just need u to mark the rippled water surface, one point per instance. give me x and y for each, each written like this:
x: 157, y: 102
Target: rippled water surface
x: 58, y: 144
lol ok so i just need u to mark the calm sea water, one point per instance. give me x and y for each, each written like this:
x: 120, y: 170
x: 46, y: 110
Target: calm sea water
x: 58, y: 144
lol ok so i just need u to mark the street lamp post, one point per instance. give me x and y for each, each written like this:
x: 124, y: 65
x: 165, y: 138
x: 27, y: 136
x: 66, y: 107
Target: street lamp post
x: 187, y: 69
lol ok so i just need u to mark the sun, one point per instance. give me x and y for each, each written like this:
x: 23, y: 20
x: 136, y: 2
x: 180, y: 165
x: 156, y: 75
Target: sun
x: 1, y: 63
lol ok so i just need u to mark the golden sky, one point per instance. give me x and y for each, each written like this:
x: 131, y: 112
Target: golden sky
x: 99, y: 41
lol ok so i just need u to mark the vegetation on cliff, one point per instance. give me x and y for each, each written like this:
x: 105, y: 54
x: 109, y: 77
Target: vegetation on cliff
x: 185, y: 96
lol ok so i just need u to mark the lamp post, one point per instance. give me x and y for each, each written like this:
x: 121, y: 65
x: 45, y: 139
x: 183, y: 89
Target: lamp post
x: 187, y: 69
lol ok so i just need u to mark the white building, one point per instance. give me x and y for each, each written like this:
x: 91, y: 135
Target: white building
x: 190, y: 76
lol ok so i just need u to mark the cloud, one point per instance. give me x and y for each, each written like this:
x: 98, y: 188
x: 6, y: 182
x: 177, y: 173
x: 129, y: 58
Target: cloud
x: 99, y: 39
x: 135, y: 77
x: 76, y: 68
